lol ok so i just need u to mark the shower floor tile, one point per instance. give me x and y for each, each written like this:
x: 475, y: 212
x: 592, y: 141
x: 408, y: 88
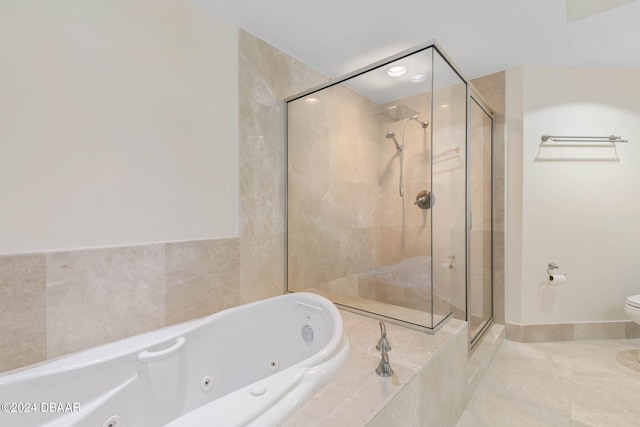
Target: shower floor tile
x: 572, y: 383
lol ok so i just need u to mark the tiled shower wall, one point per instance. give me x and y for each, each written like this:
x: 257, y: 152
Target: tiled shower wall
x: 57, y: 303
x: 333, y: 188
x: 404, y: 228
x: 345, y: 214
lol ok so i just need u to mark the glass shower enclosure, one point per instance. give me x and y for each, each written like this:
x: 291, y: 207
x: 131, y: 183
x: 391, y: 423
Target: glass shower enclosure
x: 378, y: 190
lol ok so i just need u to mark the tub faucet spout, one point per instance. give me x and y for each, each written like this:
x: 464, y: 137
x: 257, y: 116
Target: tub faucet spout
x: 384, y: 367
x: 383, y: 343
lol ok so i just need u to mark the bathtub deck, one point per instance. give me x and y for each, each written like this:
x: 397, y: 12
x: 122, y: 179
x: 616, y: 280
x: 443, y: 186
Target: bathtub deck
x: 432, y: 384
x: 419, y: 318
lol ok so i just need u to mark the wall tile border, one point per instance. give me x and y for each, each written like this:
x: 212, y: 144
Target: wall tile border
x: 572, y: 331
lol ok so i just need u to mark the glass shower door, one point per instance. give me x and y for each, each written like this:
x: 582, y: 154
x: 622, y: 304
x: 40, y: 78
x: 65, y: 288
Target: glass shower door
x: 448, y: 178
x: 480, y: 220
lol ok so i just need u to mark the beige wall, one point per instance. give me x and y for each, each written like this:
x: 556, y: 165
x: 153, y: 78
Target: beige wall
x: 581, y: 214
x: 118, y: 122
x: 127, y: 289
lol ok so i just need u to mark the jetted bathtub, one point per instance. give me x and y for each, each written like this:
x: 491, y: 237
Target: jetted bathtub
x: 252, y: 365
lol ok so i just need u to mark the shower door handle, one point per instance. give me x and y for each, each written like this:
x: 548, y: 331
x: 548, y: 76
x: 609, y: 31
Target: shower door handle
x: 154, y: 356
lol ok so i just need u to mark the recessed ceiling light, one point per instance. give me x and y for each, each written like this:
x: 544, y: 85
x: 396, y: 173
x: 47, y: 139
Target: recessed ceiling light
x: 444, y: 106
x: 397, y: 71
x: 417, y: 78
x: 311, y: 100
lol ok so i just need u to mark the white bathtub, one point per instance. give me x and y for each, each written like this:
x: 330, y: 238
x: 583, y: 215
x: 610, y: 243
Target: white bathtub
x: 252, y: 365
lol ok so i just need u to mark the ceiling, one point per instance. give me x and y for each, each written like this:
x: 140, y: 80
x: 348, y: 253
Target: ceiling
x: 337, y: 37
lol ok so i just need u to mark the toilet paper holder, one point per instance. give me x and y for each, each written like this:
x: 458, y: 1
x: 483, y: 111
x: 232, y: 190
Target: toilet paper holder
x: 552, y: 266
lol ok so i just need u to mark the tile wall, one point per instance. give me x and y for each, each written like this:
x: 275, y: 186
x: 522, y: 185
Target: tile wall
x: 345, y: 213
x: 267, y: 77
x: 333, y: 188
x: 23, y: 308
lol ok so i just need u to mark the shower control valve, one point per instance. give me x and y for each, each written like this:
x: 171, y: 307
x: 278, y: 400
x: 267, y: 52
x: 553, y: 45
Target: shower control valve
x: 424, y: 200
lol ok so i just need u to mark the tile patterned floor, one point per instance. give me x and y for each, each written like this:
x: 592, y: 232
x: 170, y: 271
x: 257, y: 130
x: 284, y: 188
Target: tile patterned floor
x: 573, y: 383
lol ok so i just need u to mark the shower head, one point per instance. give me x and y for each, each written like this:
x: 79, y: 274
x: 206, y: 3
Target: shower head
x: 391, y: 135
x: 394, y: 112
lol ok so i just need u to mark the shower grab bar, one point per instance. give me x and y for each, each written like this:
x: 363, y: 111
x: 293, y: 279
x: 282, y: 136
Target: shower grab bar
x: 611, y: 138
x: 154, y: 356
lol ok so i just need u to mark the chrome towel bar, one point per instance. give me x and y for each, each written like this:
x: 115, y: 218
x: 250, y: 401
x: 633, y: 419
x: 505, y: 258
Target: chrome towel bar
x: 611, y: 138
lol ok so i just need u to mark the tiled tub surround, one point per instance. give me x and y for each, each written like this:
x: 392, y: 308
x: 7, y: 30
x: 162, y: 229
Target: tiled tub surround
x: 23, y: 316
x: 52, y: 304
x: 102, y: 295
x: 430, y: 385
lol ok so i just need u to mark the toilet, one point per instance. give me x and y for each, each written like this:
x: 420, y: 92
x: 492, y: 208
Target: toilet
x: 632, y: 308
